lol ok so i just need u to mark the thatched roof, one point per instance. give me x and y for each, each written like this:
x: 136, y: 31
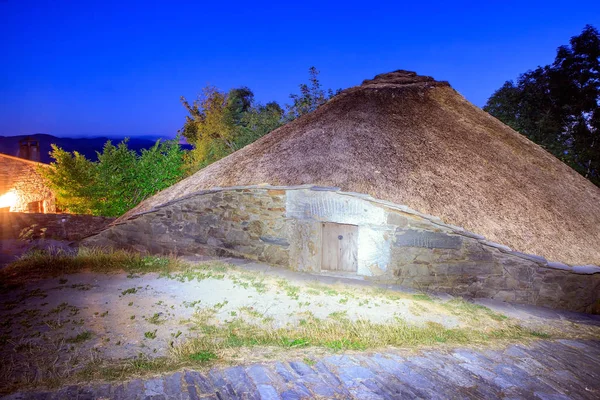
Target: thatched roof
x: 415, y: 141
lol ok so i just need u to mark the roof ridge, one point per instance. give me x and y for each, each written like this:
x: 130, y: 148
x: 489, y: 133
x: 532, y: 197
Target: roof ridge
x: 24, y: 160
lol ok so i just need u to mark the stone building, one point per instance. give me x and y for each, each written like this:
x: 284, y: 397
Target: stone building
x: 397, y: 180
x: 22, y: 189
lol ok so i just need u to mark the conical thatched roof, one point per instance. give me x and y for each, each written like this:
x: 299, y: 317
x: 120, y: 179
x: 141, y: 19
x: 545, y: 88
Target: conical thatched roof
x: 415, y: 141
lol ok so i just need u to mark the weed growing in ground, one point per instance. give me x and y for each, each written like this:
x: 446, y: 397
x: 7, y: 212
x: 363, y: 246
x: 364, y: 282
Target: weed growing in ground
x: 472, y: 310
x: 129, y: 291
x: 72, y: 310
x: 199, y: 272
x: 203, y: 356
x: 81, y: 286
x: 57, y: 262
x: 156, y: 319
x: 32, y: 293
x: 417, y: 309
x: 220, y: 305
x: 150, y: 334
x: 251, y: 312
x: 291, y: 290
x: 190, y: 304
x: 338, y: 315
x: 422, y: 297
x: 81, y: 337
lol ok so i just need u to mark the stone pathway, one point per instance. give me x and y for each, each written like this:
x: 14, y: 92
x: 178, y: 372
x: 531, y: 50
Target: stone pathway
x: 562, y: 369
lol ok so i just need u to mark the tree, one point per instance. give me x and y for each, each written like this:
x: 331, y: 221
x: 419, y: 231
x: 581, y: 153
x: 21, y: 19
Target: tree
x: 258, y: 121
x: 73, y: 178
x: 210, y: 128
x: 310, y: 98
x: 221, y: 123
x: 558, y: 105
x: 118, y: 181
x: 576, y: 77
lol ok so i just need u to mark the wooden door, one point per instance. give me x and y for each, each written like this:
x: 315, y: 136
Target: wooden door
x: 339, y: 247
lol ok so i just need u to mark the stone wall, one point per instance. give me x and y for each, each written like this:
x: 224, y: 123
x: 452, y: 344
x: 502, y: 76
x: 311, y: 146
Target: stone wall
x: 50, y: 226
x: 20, y: 177
x: 244, y: 223
x: 282, y: 226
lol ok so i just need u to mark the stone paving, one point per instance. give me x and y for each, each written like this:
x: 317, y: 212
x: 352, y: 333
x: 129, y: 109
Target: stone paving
x: 546, y: 370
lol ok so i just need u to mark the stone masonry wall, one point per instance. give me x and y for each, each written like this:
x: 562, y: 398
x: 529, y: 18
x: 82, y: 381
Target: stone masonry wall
x: 478, y: 270
x: 20, y: 177
x: 50, y: 226
x: 282, y: 226
x: 243, y: 223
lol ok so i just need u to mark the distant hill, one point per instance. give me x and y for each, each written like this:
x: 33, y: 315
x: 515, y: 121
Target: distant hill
x: 86, y: 146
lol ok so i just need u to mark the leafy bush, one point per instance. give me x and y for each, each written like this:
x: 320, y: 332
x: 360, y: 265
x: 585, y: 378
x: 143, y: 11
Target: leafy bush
x: 118, y: 181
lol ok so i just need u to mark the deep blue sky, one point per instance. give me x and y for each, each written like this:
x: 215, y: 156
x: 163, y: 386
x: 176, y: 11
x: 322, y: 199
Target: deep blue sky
x: 90, y: 68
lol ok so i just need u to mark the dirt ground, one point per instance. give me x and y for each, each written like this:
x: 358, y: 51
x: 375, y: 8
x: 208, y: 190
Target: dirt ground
x: 119, y: 309
x: 53, y: 327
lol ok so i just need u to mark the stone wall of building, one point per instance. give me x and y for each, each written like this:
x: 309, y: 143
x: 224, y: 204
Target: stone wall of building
x: 50, y: 226
x: 243, y: 223
x: 282, y: 226
x: 20, y: 177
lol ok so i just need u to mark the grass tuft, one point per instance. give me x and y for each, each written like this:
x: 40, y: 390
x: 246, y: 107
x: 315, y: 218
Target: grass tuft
x: 150, y: 334
x: 156, y: 319
x: 540, y: 335
x: 336, y: 333
x: 422, y: 297
x: 40, y: 264
x: 82, y: 337
x: 475, y: 311
x: 203, y: 356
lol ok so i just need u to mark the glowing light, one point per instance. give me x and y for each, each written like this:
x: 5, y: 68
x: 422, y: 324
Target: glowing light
x: 8, y: 199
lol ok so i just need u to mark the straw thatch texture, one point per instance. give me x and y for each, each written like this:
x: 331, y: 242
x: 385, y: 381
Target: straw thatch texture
x: 414, y: 141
